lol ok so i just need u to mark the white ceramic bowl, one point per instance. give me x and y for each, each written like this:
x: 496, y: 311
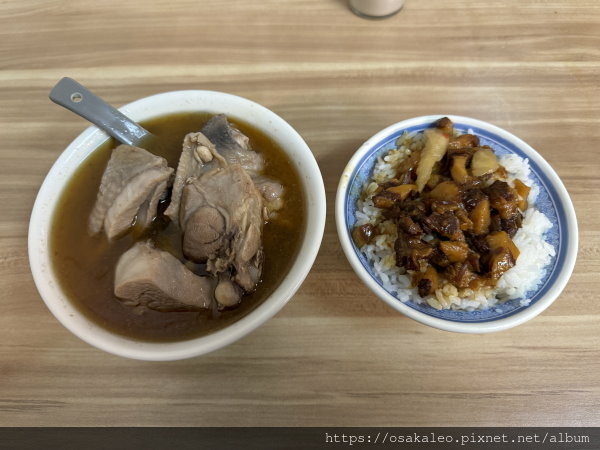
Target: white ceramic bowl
x: 148, y: 108
x: 553, y: 201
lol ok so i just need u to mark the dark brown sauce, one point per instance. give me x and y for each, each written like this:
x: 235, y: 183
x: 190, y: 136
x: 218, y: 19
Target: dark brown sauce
x: 85, y: 265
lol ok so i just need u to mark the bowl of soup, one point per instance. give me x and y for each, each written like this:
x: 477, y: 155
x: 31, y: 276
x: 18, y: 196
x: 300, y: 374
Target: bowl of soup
x: 186, y: 243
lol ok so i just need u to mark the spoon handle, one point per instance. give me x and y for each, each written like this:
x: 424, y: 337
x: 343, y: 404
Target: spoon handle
x: 73, y: 96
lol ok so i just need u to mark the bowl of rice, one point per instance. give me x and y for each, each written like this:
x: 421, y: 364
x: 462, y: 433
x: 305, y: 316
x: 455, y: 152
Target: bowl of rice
x: 545, y: 241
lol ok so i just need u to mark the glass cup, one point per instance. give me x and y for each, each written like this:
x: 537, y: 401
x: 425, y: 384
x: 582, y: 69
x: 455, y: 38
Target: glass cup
x: 375, y: 9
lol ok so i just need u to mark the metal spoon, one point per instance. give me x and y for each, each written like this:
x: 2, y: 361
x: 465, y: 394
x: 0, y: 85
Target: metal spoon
x: 73, y: 96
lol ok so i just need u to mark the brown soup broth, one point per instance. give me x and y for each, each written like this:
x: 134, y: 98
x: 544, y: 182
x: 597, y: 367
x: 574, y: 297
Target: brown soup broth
x: 85, y: 265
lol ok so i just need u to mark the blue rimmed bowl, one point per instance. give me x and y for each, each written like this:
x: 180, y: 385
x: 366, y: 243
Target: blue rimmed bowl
x: 553, y: 200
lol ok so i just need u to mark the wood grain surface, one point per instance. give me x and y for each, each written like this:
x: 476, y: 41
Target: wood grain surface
x: 335, y: 355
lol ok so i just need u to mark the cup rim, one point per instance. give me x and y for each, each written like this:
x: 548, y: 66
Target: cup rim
x: 492, y: 325
x: 144, y: 109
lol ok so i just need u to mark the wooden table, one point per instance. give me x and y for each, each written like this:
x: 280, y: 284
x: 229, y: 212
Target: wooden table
x: 335, y: 355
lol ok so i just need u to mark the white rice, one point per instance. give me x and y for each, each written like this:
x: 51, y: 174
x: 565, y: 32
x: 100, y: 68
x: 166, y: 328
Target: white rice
x: 525, y: 276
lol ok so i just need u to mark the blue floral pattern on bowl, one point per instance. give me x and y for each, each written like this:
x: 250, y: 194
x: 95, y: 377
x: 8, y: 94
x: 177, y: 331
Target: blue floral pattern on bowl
x: 547, y: 202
